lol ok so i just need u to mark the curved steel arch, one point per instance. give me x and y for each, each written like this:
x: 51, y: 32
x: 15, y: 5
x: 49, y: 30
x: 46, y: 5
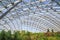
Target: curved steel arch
x: 31, y: 20
x: 49, y: 18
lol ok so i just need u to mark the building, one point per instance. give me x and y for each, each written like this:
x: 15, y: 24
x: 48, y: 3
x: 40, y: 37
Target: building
x: 33, y: 16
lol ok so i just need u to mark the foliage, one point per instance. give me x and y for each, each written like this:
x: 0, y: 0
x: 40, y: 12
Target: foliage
x: 23, y: 35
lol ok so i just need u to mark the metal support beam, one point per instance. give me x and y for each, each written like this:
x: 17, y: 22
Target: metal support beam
x: 4, y: 14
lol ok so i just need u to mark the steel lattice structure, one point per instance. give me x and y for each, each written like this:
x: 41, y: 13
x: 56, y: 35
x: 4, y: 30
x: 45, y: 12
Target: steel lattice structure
x: 33, y: 14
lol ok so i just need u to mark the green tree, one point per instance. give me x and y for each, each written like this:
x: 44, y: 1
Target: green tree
x: 8, y: 35
x: 3, y: 35
x: 17, y: 35
x: 57, y: 34
x: 48, y: 30
x: 28, y: 36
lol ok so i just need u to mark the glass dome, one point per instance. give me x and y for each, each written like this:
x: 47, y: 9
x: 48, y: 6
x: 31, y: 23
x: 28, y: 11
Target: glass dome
x: 29, y: 15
